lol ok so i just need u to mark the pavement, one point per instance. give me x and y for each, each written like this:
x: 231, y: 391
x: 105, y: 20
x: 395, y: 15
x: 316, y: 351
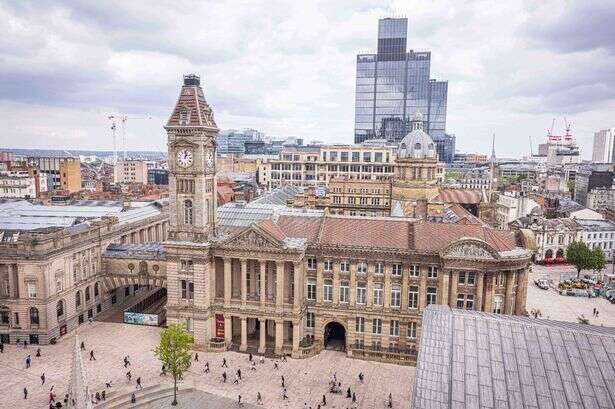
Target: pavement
x: 306, y: 379
x: 562, y: 307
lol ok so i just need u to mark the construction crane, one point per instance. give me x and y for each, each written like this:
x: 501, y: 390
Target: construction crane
x: 122, y: 118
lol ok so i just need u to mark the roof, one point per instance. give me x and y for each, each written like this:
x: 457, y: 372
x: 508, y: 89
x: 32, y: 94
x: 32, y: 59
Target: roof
x: 417, y: 144
x: 279, y: 196
x: 147, y: 251
x: 472, y: 359
x: 462, y: 196
x: 192, y: 106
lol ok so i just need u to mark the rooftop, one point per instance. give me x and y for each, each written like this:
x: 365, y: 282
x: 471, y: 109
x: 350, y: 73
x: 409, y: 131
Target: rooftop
x: 472, y: 359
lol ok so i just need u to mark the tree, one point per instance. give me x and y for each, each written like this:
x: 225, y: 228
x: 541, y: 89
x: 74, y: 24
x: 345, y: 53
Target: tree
x: 584, y: 258
x: 174, y: 351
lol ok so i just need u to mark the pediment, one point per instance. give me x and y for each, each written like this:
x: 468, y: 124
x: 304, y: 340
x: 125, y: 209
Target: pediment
x: 251, y: 238
x: 470, y: 249
x: 182, y: 142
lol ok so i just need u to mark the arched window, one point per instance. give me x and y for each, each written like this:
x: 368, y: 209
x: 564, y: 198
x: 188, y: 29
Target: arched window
x: 498, y: 303
x: 188, y: 219
x: 417, y: 146
x: 5, y: 315
x: 403, y: 146
x: 60, y: 308
x: 87, y: 293
x: 95, y: 290
x: 78, y: 299
x: 34, y: 315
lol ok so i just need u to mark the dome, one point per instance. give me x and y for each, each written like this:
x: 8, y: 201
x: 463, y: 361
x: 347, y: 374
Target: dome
x: 417, y: 144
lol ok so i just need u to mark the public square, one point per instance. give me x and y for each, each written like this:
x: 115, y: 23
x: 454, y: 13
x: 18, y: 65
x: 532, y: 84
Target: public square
x: 566, y: 308
x: 306, y: 379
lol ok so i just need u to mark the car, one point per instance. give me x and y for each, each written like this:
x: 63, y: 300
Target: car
x: 542, y: 283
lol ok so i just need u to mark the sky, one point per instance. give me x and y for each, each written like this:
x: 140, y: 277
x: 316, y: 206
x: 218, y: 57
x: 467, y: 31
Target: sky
x: 287, y: 68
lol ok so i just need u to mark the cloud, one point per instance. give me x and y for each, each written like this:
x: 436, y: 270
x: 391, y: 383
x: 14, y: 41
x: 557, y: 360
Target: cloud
x: 288, y: 68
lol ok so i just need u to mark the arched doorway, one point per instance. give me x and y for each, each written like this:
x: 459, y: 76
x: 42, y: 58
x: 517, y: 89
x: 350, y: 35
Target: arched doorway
x: 549, y: 254
x: 335, y: 336
x: 560, y: 253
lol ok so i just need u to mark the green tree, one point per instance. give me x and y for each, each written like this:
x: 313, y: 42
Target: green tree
x: 571, y: 186
x: 584, y: 258
x: 174, y: 351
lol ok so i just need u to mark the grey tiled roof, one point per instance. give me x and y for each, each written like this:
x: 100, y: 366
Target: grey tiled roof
x: 470, y: 359
x: 148, y: 251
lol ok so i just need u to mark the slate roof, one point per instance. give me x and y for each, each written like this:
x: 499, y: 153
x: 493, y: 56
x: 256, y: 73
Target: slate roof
x: 465, y: 196
x: 192, y: 101
x: 148, y: 251
x: 471, y: 359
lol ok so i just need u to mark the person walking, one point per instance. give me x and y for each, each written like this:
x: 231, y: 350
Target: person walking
x: 43, y: 379
x: 127, y: 361
x: 139, y: 386
x: 283, y: 381
x: 250, y: 357
x: 348, y: 393
x: 92, y: 357
x: 128, y: 376
x: 239, y: 401
x: 1, y: 347
x: 164, y: 371
x: 108, y: 384
x: 52, y: 396
x: 324, y: 400
x: 82, y: 346
x: 253, y: 367
x: 38, y: 353
x: 28, y: 361
x: 259, y: 398
x: 361, y: 377
x: 284, y: 395
x: 25, y: 392
x: 224, y: 377
x: 206, y: 370
x: 239, y: 373
x: 354, y: 398
x: 236, y: 381
x: 275, y: 365
x: 103, y: 395
x: 390, y: 404
x: 196, y: 357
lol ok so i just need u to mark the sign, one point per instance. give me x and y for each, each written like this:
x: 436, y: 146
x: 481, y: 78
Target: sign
x: 219, y: 326
x: 139, y: 318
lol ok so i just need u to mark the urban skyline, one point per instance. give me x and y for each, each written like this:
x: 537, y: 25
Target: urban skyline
x: 301, y: 83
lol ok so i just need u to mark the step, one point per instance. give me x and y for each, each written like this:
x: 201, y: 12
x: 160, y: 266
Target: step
x: 140, y: 397
x: 143, y: 403
x: 109, y: 402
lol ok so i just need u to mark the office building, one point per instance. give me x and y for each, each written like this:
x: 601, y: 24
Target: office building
x: 70, y: 175
x: 393, y: 85
x: 590, y: 178
x: 50, y: 165
x: 604, y: 146
x: 130, y: 171
x: 158, y: 176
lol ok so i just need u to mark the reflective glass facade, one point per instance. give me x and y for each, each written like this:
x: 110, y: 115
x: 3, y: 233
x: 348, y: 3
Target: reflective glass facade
x: 392, y: 85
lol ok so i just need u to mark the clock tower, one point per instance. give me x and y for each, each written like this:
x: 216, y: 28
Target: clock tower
x: 192, y: 132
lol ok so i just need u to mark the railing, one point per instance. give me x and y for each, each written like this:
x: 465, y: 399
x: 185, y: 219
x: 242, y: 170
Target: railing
x: 407, y: 357
x: 217, y: 345
x: 310, y: 350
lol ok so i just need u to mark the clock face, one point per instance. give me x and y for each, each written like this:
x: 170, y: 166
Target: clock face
x: 185, y: 158
x: 210, y: 158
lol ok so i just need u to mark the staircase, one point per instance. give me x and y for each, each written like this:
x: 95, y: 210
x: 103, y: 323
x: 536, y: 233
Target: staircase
x: 143, y: 397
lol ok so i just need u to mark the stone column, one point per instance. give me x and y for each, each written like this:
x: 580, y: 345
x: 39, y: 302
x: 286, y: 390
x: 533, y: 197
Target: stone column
x: 262, y: 335
x: 521, y: 291
x: 244, y: 334
x: 452, y: 299
x: 404, y: 291
x: 279, y: 292
x: 489, y: 292
x: 443, y: 283
x: 227, y: 282
x: 422, y: 289
x: 352, y: 296
x: 370, y: 288
x: 279, y: 336
x: 298, y: 284
x: 212, y: 279
x: 244, y: 281
x: 508, y: 300
x: 384, y: 337
x: 319, y: 281
x: 263, y: 288
x: 387, y: 287
x: 228, y: 329
x: 296, y: 337
x: 480, y: 277
x: 336, y: 283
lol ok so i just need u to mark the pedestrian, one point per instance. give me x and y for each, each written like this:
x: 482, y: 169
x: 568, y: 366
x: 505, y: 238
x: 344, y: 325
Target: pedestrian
x: 283, y: 381
x: 92, y: 357
x: 284, y: 395
x: 108, y: 384
x: 324, y: 400
x: 224, y: 365
x: 597, y: 312
x: 164, y: 371
x: 133, y: 398
x: 52, y: 396
x: 28, y: 361
x: 38, y: 352
x: 390, y: 405
x: 128, y: 376
x: 253, y: 367
x: 262, y: 359
x: 25, y: 344
x: 97, y: 396
x: 354, y: 398
x: 239, y: 401
x: 1, y: 347
x: 275, y: 364
x: 284, y: 358
x: 236, y: 381
x: 361, y: 377
x: 259, y: 398
x: 250, y: 357
x: 594, y: 312
x: 126, y: 361
x: 224, y: 377
x: 305, y: 406
x: 43, y: 378
x: 25, y: 392
x: 206, y: 370
x: 348, y: 393
x: 103, y: 395
x: 82, y: 346
x: 139, y: 383
x: 239, y: 373
x: 196, y: 357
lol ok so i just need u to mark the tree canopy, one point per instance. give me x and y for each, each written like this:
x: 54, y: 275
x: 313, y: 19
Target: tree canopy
x: 584, y: 258
x: 174, y: 351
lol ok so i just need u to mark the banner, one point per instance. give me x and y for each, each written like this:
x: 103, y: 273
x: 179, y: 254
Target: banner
x: 139, y: 318
x: 219, y: 325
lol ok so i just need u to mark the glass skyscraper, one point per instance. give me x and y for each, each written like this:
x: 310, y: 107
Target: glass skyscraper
x: 392, y: 85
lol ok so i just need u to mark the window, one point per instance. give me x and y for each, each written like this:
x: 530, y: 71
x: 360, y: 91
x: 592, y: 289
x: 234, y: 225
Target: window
x: 96, y: 291
x: 413, y: 297
x: 310, y: 320
x: 462, y: 278
x: 362, y: 267
x: 378, y: 294
x: 360, y: 324
x: 465, y: 301
x: 344, y: 291
x: 377, y: 326
x: 397, y: 269
x: 34, y: 319
x: 395, y: 296
x: 471, y: 278
x: 186, y: 265
x: 4, y: 316
x: 345, y: 266
x: 328, y: 290
x: 498, y: 301
x: 432, y: 293
x: 412, y: 330
x: 187, y: 289
x: 328, y: 265
x: 414, y: 270
x: 60, y: 309
x: 311, y: 289
x: 31, y: 290
x: 432, y: 272
x: 87, y: 294
x: 59, y: 282
x: 361, y: 293
x: 188, y: 217
x: 499, y: 279
x: 311, y: 263
x: 78, y: 299
x: 379, y: 268
x: 394, y: 328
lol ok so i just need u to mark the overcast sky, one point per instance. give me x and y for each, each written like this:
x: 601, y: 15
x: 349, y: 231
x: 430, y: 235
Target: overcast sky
x: 288, y: 67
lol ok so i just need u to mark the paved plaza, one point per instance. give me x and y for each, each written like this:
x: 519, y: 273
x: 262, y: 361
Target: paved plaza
x: 306, y: 379
x: 566, y: 308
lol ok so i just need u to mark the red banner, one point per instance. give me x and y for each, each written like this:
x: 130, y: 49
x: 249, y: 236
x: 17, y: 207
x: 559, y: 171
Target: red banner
x: 219, y: 326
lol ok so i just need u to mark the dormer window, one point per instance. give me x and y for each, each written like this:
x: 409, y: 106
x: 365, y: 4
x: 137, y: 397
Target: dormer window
x: 184, y: 116
x: 417, y: 146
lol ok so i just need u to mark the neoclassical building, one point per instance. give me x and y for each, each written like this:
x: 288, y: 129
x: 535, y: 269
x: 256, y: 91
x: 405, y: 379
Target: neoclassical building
x: 268, y: 278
